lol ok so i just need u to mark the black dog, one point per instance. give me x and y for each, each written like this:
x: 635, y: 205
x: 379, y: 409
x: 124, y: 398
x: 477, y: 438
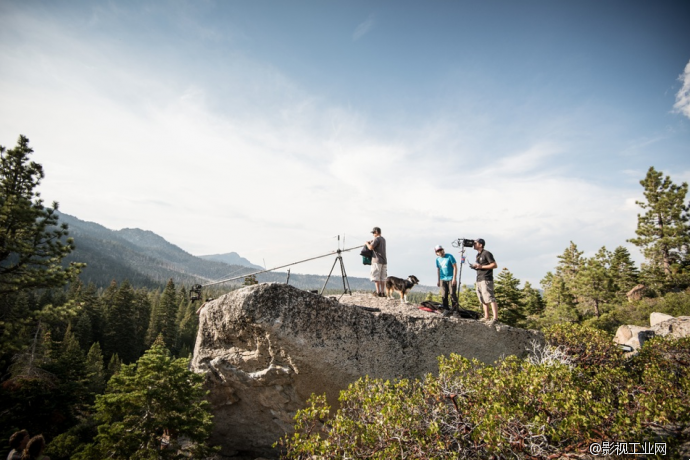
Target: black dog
x: 400, y: 285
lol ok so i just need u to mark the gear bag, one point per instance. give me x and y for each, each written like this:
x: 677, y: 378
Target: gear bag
x: 366, y: 254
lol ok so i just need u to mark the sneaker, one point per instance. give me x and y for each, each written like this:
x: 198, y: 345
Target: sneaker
x: 381, y: 294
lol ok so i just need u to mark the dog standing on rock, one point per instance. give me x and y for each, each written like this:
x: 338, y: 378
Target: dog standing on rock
x: 401, y: 286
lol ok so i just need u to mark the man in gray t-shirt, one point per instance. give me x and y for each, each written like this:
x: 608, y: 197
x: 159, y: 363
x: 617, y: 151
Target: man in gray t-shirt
x: 485, y: 279
x: 379, y: 262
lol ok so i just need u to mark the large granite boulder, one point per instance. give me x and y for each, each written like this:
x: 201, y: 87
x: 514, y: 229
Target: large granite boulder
x: 660, y: 325
x: 266, y: 348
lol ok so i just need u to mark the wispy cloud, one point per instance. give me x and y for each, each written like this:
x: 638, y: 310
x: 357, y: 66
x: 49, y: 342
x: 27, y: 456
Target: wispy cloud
x: 682, y: 104
x: 364, y: 28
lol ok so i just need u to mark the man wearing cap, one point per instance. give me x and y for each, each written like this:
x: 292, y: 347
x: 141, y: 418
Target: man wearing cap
x: 485, y: 278
x: 379, y: 263
x: 447, y: 276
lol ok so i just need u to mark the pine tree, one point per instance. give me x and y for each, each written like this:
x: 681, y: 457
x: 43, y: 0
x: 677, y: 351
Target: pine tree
x: 95, y: 372
x: 120, y: 332
x: 623, y: 271
x: 559, y: 297
x: 532, y: 299
x: 32, y: 245
x: 560, y: 301
x: 142, y: 317
x: 594, y: 284
x: 188, y: 325
x: 663, y: 232
x: 89, y: 322
x: 509, y: 298
x: 164, y: 316
x: 114, y: 366
x: 155, y: 399
x: 569, y: 263
x: 467, y: 299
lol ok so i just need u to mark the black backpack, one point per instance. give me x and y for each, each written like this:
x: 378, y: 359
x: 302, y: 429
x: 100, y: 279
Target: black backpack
x: 366, y: 254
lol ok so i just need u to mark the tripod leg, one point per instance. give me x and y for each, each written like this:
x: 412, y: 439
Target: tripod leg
x: 345, y: 280
x: 329, y: 275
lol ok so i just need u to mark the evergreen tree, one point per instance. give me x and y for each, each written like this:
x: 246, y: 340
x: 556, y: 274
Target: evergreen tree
x: 467, y: 299
x: 509, y: 298
x: 532, y: 299
x: 120, y: 333
x: 560, y: 301
x: 164, y: 316
x: 569, y: 264
x: 16, y: 321
x: 663, y: 232
x: 154, y: 400
x: 88, y: 326
x: 114, y: 365
x: 594, y: 284
x: 559, y: 297
x: 623, y: 271
x: 142, y: 317
x: 32, y: 245
x: 95, y: 372
x: 188, y: 326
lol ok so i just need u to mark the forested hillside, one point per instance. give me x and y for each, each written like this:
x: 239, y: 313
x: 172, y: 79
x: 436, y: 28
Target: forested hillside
x: 146, y: 259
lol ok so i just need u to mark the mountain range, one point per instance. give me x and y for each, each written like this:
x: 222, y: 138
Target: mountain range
x: 146, y: 259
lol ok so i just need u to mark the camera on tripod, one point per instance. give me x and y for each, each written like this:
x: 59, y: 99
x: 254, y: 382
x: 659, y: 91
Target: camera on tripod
x: 463, y: 242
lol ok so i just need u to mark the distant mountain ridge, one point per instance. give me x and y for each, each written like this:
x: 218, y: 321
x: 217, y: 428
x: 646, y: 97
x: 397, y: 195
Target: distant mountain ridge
x: 146, y: 259
x: 232, y: 258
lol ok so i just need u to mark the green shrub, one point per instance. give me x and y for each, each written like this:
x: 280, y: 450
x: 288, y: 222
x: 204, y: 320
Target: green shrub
x: 575, y: 391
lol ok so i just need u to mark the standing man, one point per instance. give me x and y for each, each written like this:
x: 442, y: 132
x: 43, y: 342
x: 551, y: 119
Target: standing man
x: 447, y: 276
x: 485, y: 279
x: 379, y: 263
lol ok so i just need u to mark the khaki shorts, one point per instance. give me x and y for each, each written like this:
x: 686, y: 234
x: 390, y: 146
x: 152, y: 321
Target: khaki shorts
x: 379, y: 272
x: 485, y: 291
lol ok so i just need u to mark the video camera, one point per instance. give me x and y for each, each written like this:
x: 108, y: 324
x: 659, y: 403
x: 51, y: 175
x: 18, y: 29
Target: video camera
x: 463, y: 242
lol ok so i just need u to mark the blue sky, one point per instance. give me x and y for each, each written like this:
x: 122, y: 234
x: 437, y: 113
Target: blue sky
x: 269, y: 127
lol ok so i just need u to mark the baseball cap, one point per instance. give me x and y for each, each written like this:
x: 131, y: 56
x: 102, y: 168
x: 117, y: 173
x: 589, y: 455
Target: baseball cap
x: 376, y: 230
x: 481, y: 241
x: 438, y: 248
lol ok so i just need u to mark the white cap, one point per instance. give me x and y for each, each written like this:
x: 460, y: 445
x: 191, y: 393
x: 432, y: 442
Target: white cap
x: 438, y: 248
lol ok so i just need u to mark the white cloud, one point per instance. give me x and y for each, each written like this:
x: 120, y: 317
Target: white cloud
x: 682, y: 104
x: 250, y: 162
x: 364, y: 28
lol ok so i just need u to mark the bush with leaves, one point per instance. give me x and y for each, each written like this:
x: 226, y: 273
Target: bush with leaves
x: 575, y: 391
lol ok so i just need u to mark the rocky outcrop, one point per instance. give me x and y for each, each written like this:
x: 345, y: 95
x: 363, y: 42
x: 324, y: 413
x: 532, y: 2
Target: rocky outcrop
x: 661, y: 324
x: 266, y: 348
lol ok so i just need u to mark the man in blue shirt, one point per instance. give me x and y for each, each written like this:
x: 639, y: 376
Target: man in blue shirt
x: 447, y: 275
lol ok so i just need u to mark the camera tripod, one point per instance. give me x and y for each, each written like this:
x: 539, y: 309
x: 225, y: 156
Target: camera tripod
x: 343, y: 275
x: 346, y: 282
